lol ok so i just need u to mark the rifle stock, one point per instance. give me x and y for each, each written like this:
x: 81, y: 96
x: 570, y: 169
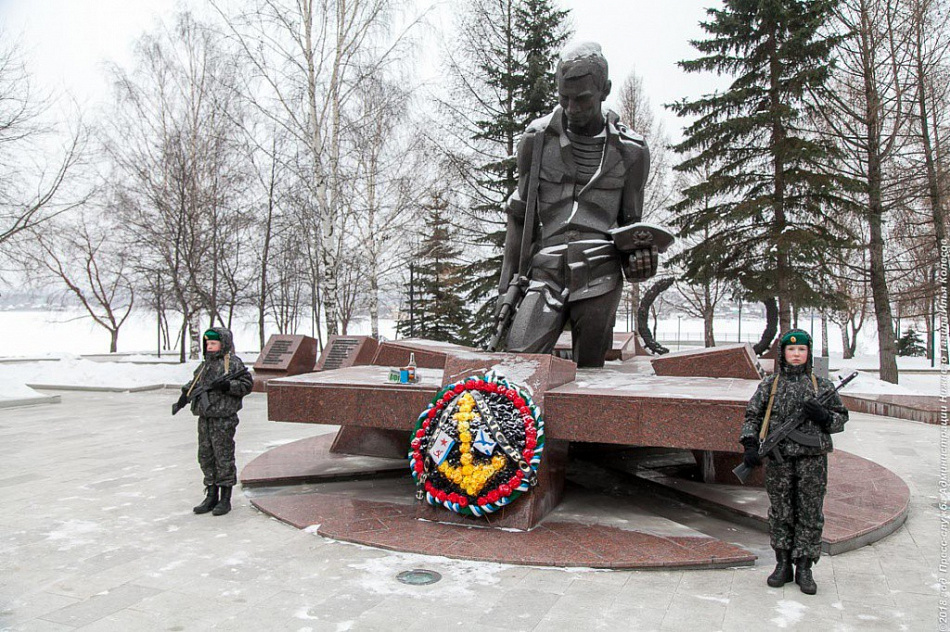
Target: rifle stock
x: 506, y: 314
x: 742, y: 472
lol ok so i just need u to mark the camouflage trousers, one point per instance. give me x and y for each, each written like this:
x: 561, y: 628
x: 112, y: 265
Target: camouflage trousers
x: 216, y: 450
x: 796, y: 491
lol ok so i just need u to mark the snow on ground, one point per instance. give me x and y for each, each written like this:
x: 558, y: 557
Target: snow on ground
x: 915, y: 376
x: 870, y: 362
x: 868, y: 384
x: 56, y: 336
x: 10, y: 390
x: 75, y: 371
x: 32, y: 333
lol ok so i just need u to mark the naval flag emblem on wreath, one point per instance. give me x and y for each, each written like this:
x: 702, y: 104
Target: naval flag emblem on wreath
x: 477, y: 446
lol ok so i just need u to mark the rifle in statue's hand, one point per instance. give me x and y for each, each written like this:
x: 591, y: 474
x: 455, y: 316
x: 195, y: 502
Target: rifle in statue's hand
x: 186, y: 398
x: 518, y: 285
x: 768, y: 447
x: 506, y: 312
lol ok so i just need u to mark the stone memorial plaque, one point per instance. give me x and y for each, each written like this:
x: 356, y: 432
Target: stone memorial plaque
x: 735, y: 361
x: 623, y: 347
x: 343, y: 352
x: 632, y: 347
x: 429, y: 354
x: 284, y: 355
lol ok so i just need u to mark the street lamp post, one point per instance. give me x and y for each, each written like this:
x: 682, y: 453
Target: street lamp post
x: 679, y: 323
x: 740, y: 322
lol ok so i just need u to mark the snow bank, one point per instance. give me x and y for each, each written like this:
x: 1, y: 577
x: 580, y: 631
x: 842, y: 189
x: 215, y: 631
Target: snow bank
x: 14, y: 390
x: 909, y: 384
x: 79, y: 372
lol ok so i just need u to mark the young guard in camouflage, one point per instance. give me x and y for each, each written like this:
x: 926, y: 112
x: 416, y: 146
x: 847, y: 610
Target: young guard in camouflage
x: 217, y: 418
x: 796, y: 487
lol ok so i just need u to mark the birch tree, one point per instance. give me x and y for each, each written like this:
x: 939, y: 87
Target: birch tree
x: 39, y: 160
x: 171, y: 138
x: 306, y: 59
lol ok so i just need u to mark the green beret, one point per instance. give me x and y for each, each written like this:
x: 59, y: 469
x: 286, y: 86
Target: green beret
x: 211, y: 334
x: 796, y: 337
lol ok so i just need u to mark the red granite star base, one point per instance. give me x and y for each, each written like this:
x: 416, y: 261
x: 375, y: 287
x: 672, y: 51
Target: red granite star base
x: 625, y: 404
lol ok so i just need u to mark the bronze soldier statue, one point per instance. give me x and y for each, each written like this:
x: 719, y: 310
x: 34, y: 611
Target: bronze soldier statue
x: 581, y: 175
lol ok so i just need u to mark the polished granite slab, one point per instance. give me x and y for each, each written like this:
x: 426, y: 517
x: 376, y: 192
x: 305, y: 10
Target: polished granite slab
x: 864, y: 502
x: 623, y: 403
x: 393, y: 526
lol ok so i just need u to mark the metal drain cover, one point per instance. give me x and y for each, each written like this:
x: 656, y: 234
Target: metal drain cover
x: 418, y: 577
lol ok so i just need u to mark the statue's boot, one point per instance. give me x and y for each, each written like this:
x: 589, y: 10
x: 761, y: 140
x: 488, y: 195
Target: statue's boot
x: 211, y: 499
x: 224, y: 505
x: 783, y: 569
x: 803, y: 577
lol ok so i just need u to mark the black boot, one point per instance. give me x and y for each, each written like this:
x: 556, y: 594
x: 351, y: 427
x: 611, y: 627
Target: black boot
x: 803, y: 577
x: 224, y: 505
x: 783, y: 569
x: 211, y: 499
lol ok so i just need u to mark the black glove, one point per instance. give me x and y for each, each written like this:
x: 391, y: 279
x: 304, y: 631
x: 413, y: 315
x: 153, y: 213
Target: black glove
x: 223, y: 387
x: 817, y: 413
x: 751, y: 456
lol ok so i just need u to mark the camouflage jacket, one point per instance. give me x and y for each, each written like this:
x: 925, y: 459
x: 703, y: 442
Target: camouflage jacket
x: 794, y: 389
x: 216, y: 403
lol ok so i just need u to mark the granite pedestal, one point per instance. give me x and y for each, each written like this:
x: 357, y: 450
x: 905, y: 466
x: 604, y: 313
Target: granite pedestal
x: 625, y: 404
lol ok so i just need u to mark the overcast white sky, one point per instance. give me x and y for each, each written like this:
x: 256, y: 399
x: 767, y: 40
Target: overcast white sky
x: 67, y: 41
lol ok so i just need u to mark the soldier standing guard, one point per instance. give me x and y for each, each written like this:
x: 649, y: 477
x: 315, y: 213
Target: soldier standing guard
x: 796, y: 486
x: 216, y: 409
x: 587, y: 171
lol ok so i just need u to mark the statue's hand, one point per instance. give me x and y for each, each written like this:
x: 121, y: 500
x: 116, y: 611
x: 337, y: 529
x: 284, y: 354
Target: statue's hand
x: 641, y: 264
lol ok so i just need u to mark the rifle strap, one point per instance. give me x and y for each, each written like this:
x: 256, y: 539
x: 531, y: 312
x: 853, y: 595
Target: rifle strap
x: 531, y: 209
x: 195, y: 381
x: 814, y: 382
x: 764, y: 432
x: 227, y: 364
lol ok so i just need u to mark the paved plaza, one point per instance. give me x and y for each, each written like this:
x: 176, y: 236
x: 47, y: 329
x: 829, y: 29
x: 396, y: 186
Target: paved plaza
x: 97, y: 533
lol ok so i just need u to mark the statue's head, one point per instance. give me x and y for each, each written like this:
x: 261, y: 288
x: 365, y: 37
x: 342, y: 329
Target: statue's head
x: 582, y: 86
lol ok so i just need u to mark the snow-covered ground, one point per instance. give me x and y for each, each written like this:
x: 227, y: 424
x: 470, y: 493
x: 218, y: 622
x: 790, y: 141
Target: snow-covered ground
x: 33, y: 333
x: 57, y: 338
x: 74, y: 371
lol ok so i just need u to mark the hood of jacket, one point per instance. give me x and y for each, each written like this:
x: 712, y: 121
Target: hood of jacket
x: 227, y: 343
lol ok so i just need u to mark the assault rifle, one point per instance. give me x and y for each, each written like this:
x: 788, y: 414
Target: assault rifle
x: 185, y: 399
x: 506, y: 314
x: 767, y: 447
x: 519, y: 280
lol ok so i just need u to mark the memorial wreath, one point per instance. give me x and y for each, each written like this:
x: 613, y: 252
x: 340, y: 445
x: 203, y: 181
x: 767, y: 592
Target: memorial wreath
x: 477, y: 446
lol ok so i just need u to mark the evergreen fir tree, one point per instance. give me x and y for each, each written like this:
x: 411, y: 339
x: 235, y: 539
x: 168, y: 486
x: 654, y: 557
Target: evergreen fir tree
x: 440, y: 311
x: 911, y: 344
x: 771, y: 200
x: 517, y: 66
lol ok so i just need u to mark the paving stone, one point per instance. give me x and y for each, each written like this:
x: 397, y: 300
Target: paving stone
x: 99, y: 605
x: 121, y: 525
